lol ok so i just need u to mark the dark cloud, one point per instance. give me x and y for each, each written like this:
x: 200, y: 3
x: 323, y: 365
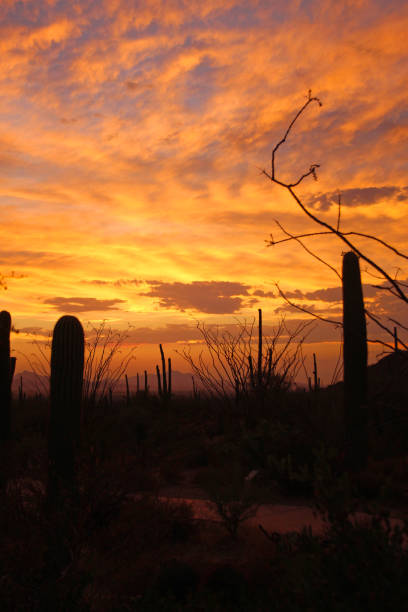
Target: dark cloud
x: 357, y: 196
x: 82, y: 304
x: 330, y: 294
x: 172, y: 332
x: 121, y: 282
x: 289, y: 308
x: 265, y: 294
x: 212, y: 297
x: 138, y: 85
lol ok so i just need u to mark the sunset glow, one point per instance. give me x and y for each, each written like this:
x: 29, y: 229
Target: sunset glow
x: 132, y: 140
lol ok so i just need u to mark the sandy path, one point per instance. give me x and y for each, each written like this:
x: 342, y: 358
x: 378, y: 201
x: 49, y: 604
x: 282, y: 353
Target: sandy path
x: 282, y: 517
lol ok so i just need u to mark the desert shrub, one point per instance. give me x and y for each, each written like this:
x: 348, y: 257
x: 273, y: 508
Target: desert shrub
x: 32, y: 416
x: 234, y: 499
x: 160, y: 521
x: 291, y: 479
x: 352, y: 567
x: 284, y: 455
x: 387, y: 479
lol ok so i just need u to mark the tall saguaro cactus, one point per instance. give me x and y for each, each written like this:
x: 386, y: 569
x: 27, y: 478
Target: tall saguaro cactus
x: 5, y: 376
x: 164, y: 389
x: 355, y: 364
x: 67, y: 370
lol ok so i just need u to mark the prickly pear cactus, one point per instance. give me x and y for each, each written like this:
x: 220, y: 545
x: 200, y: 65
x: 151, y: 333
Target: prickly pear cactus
x: 355, y: 363
x: 5, y: 378
x: 67, y: 367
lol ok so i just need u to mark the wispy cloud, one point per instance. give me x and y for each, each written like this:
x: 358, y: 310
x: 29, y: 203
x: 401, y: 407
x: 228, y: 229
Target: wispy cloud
x: 330, y: 294
x: 82, y: 304
x: 120, y: 282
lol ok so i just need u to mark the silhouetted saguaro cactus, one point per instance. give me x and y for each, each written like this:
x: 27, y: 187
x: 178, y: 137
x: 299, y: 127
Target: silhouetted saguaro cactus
x: 159, y: 386
x: 5, y: 376
x: 127, y: 391
x: 260, y: 372
x: 165, y: 389
x: 67, y: 369
x: 260, y: 380
x: 355, y: 364
x: 21, y: 394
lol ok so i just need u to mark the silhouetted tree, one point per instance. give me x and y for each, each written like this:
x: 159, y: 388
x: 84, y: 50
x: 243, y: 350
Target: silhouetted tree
x: 390, y: 284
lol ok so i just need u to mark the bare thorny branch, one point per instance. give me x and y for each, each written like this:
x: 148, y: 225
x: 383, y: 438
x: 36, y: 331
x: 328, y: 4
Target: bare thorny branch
x: 103, y: 366
x: 103, y: 346
x: 231, y: 368
x: 395, y: 286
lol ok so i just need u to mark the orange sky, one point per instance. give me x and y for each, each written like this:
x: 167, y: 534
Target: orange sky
x: 131, y: 138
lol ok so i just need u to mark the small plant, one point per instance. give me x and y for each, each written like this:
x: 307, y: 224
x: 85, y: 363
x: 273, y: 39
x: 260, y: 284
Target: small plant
x: 334, y: 497
x: 234, y: 499
x: 291, y: 478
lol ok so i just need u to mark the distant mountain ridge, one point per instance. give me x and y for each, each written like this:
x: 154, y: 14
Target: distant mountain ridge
x: 36, y: 383
x: 388, y: 374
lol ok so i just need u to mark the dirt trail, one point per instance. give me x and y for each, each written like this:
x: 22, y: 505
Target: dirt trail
x: 282, y: 517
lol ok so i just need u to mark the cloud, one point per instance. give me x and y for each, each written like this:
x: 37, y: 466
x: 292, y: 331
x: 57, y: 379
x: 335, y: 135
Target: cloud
x: 187, y: 333
x: 289, y: 308
x: 34, y: 258
x: 358, y: 196
x: 264, y: 294
x: 82, y: 304
x: 213, y: 297
x: 121, y: 282
x: 172, y: 332
x: 332, y: 294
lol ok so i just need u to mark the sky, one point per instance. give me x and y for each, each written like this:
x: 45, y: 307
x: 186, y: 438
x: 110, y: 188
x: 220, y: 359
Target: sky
x: 133, y: 136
